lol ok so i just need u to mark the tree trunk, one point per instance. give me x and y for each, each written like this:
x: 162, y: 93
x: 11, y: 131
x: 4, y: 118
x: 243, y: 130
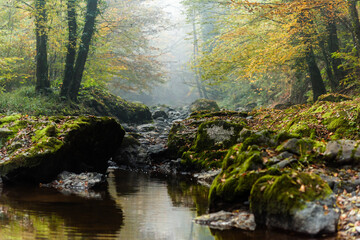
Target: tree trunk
x: 201, y: 88
x: 42, y: 78
x: 354, y: 18
x: 333, y: 44
x: 71, y: 48
x: 88, y: 32
x: 329, y: 72
x: 317, y: 83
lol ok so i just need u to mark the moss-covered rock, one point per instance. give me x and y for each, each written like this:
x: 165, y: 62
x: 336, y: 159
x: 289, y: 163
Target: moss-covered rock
x: 217, y: 134
x: 204, y: 160
x: 103, y: 103
x: 294, y: 201
x: 47, y: 146
x: 240, y: 170
x: 180, y: 139
x: 204, y: 104
x: 334, y: 97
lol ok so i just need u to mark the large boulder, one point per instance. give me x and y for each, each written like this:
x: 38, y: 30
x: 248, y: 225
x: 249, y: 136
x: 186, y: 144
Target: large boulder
x: 204, y: 105
x: 213, y: 138
x: 103, y: 103
x: 42, y: 147
x: 298, y: 202
x: 240, y: 170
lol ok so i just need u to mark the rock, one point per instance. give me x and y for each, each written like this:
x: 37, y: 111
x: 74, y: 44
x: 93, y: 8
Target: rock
x: 78, y: 144
x: 217, y: 134
x: 206, y: 178
x: 296, y: 146
x: 146, y: 127
x: 204, y: 104
x: 286, y: 162
x: 104, y: 103
x: 159, y: 114
x: 333, y: 97
x: 78, y: 184
x: 240, y: 170
x: 226, y: 220
x: 296, y: 202
x: 341, y: 151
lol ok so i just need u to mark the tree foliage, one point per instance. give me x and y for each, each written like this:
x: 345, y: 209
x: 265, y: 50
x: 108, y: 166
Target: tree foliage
x: 274, y: 45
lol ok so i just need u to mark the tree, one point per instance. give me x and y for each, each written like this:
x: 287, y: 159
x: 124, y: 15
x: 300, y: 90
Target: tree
x: 89, y: 27
x: 42, y: 78
x: 71, y: 48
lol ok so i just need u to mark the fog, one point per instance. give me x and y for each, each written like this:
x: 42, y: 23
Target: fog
x: 176, y: 51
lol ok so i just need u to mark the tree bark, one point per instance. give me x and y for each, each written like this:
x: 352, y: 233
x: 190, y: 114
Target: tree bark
x: 42, y: 69
x: 71, y: 48
x: 86, y: 37
x: 329, y: 71
x: 333, y: 45
x: 317, y: 83
x: 354, y: 18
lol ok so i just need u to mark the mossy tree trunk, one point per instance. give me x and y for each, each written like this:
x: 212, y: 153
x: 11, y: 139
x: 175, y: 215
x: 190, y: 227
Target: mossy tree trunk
x: 86, y: 37
x: 71, y: 47
x: 42, y: 69
x: 317, y: 82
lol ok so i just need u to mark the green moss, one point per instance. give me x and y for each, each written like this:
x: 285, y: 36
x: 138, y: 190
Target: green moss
x: 281, y: 195
x: 205, y: 160
x: 235, y: 188
x: 337, y: 123
x: 11, y: 118
x: 240, y: 170
x: 285, y: 135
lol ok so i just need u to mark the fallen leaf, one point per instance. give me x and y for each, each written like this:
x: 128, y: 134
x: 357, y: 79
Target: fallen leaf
x: 302, y: 188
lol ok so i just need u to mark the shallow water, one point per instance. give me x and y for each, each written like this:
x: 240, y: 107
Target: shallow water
x: 135, y: 206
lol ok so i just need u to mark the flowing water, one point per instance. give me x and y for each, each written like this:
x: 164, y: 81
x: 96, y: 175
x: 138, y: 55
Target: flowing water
x: 135, y: 206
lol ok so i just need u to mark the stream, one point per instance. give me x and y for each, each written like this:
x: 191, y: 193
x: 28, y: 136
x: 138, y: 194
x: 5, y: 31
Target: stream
x: 134, y: 206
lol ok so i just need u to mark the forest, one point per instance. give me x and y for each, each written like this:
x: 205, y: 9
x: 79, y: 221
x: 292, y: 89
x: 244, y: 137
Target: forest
x: 183, y: 119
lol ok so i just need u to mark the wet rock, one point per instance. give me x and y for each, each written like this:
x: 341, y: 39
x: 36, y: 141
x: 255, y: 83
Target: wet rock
x: 159, y: 114
x: 226, y: 220
x: 206, y: 178
x: 78, y: 184
x: 146, y: 127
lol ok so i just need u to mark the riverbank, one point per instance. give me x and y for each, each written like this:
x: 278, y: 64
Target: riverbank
x: 311, y: 147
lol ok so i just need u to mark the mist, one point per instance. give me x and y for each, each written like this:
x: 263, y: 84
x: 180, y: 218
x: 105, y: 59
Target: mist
x: 175, y: 51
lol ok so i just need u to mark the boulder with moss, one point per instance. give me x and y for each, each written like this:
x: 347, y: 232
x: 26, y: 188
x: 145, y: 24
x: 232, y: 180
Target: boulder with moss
x: 39, y: 148
x: 212, y: 140
x: 204, y: 104
x: 103, y: 103
x: 298, y: 202
x: 240, y: 170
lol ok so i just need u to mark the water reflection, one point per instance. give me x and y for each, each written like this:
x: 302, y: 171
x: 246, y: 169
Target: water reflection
x: 152, y: 208
x: 40, y: 213
x: 149, y: 212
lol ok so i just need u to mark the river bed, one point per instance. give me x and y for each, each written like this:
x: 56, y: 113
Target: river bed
x: 135, y: 206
